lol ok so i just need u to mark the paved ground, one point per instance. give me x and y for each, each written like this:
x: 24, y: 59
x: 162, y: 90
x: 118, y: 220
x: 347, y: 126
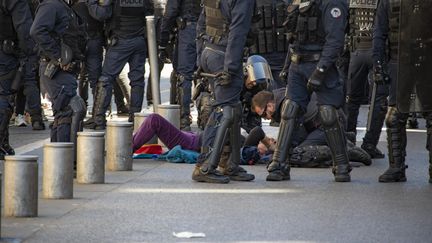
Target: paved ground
x: 159, y: 198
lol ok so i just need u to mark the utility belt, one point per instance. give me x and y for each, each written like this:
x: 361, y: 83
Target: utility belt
x: 361, y: 42
x: 297, y: 57
x: 183, y: 22
x: 216, y: 48
x: 53, y: 66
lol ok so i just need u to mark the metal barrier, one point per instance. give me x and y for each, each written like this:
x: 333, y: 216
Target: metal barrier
x: 153, y: 60
x: 91, y: 157
x: 21, y: 186
x: 171, y: 113
x: 119, y: 146
x: 57, y: 178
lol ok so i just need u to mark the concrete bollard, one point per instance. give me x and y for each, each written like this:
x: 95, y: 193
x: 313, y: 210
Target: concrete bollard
x: 57, y: 181
x: 21, y: 186
x: 171, y: 113
x: 138, y: 120
x: 119, y: 146
x: 91, y: 157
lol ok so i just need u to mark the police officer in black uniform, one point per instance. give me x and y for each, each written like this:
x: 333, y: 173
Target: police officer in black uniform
x: 125, y: 20
x: 270, y: 40
x: 361, y: 20
x: 15, y: 23
x: 316, y: 31
x: 92, y: 66
x: 185, y: 14
x: 61, y: 38
x: 226, y: 24
x: 386, y: 53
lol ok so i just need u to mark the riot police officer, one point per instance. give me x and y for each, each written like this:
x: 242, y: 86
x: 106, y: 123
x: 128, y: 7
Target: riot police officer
x: 225, y: 25
x: 269, y: 40
x: 185, y: 14
x: 125, y: 21
x: 316, y: 31
x: 60, y: 35
x: 15, y: 22
x: 361, y: 63
x: 405, y: 64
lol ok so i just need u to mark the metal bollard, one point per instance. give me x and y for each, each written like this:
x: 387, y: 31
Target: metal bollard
x: 21, y: 186
x: 91, y: 157
x: 119, y: 146
x: 171, y: 113
x: 57, y: 181
x: 153, y: 59
x: 138, y: 120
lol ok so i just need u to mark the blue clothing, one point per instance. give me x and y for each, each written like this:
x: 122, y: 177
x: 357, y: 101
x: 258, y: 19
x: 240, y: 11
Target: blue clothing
x: 381, y: 32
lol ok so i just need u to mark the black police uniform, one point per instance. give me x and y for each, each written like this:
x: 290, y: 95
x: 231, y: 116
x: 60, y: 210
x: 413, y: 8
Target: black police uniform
x: 15, y: 23
x: 316, y: 31
x: 60, y: 35
x: 126, y: 32
x: 226, y: 24
x: 270, y: 40
x: 385, y: 55
x: 185, y: 14
x: 359, y: 73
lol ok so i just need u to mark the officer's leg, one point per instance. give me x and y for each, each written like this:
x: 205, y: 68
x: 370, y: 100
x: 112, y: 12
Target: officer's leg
x: 79, y: 110
x: 232, y: 168
x: 101, y: 102
x: 83, y: 84
x: 336, y: 140
x: 219, y: 123
x: 357, y: 154
x: 184, y: 97
x: 119, y: 97
x: 279, y: 168
x: 396, y: 142
x: 31, y: 91
x: 173, y: 89
x: 5, y: 115
x: 136, y: 76
x: 371, y: 137
x: 428, y: 117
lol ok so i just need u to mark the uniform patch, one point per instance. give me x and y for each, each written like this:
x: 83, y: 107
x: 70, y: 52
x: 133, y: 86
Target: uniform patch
x: 335, y: 12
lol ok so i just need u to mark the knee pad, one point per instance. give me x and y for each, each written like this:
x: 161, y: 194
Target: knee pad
x: 395, y: 119
x: 328, y: 115
x: 289, y: 110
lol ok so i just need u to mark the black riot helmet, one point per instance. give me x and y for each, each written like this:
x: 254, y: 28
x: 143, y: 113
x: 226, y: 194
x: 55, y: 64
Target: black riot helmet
x: 258, y: 70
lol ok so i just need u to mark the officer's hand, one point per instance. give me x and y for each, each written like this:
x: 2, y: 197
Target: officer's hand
x: 163, y: 54
x: 380, y: 75
x: 67, y: 68
x: 283, y: 75
x: 223, y: 78
x: 316, y: 79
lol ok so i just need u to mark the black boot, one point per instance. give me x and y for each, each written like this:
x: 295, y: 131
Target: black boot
x: 233, y: 170
x: 372, y: 150
x: 185, y: 117
x: 336, y: 140
x: 373, y: 133
x: 101, y: 104
x: 137, y: 97
x: 5, y: 148
x: 396, y: 140
x: 357, y: 154
x: 208, y: 161
x: 352, y: 116
x: 279, y: 168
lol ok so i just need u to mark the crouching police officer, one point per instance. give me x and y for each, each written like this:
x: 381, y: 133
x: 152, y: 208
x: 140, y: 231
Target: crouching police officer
x: 185, y: 13
x: 316, y: 31
x: 126, y: 21
x: 226, y: 25
x: 60, y: 36
x: 15, y: 23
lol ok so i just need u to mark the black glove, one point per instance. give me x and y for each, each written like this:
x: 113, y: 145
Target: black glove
x: 380, y: 75
x: 163, y: 55
x: 223, y: 78
x: 316, y: 79
x: 283, y: 75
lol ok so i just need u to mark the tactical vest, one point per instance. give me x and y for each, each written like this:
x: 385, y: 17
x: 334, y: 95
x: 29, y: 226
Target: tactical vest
x: 362, y: 14
x: 303, y: 23
x: 75, y: 35
x: 7, y: 30
x: 94, y: 27
x: 269, y: 29
x: 129, y: 17
x: 217, y: 27
x: 394, y: 28
x: 190, y: 9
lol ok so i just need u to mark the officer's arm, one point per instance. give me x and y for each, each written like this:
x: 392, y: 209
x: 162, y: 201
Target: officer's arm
x: 334, y: 17
x: 169, y: 20
x: 241, y: 18
x: 380, y: 32
x: 43, y: 26
x: 101, y: 11
x: 22, y: 21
